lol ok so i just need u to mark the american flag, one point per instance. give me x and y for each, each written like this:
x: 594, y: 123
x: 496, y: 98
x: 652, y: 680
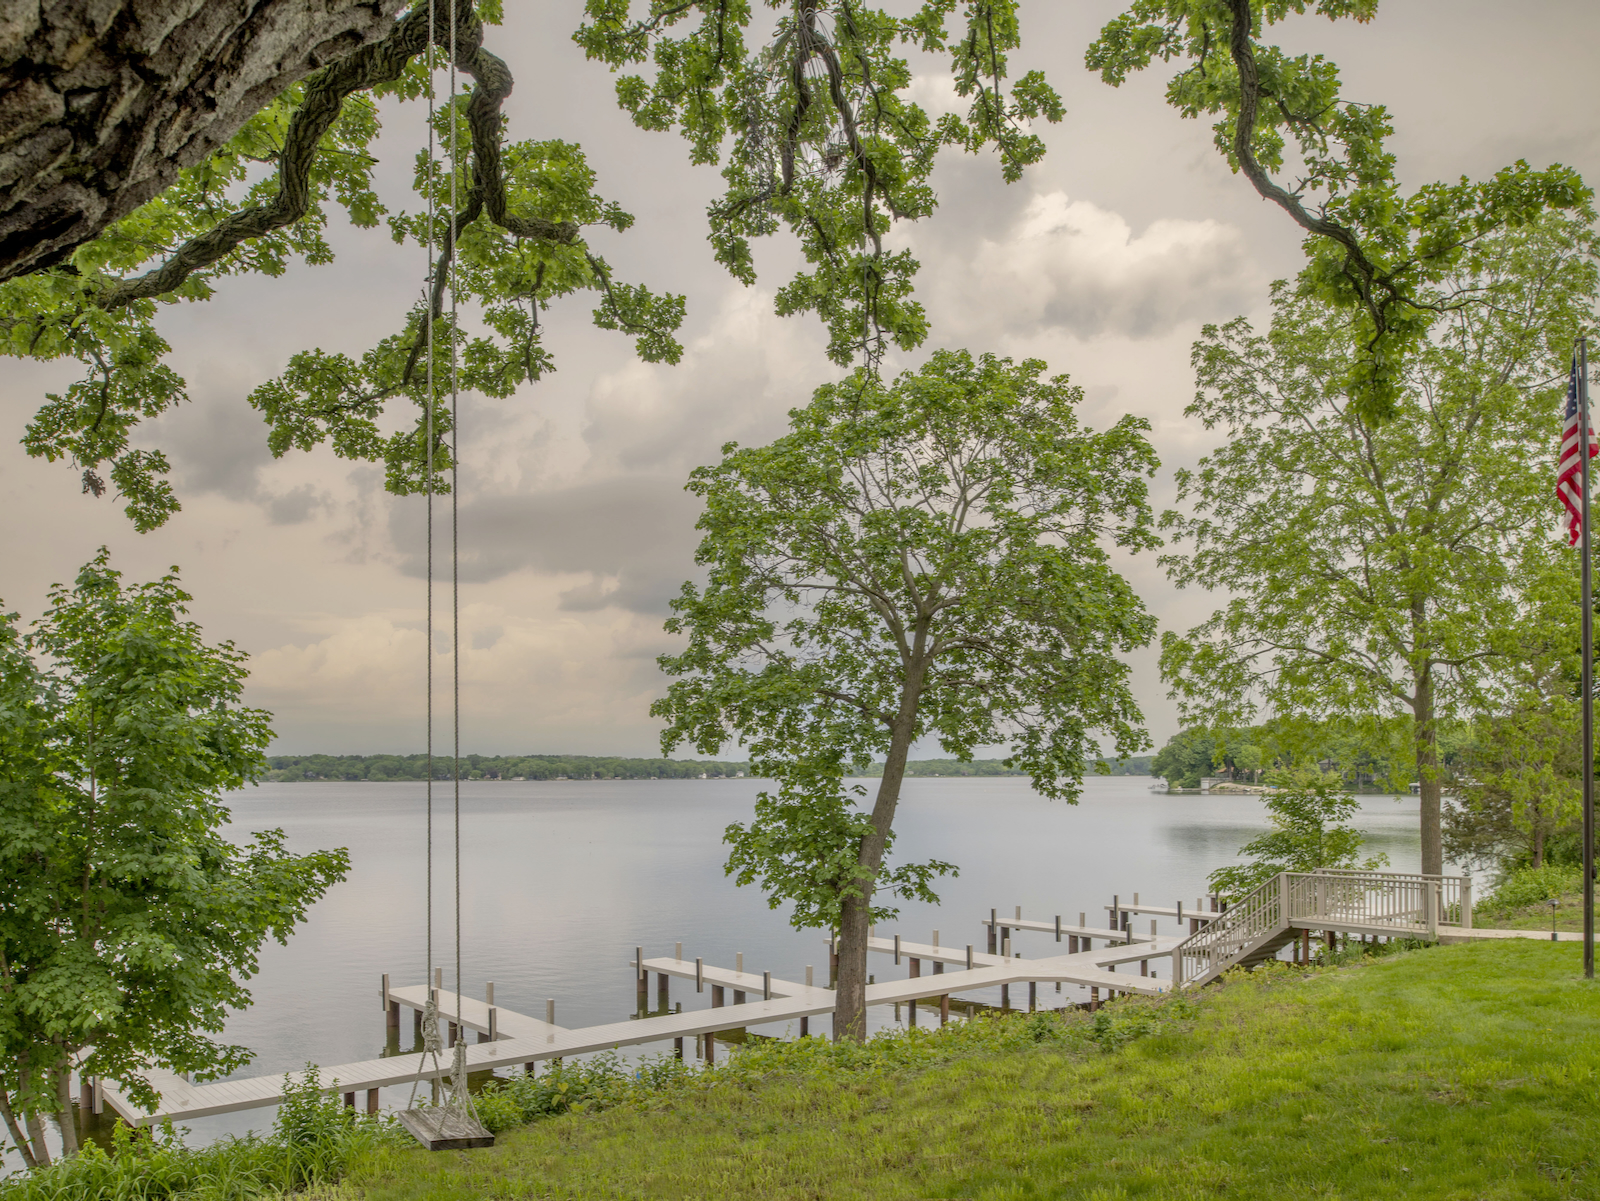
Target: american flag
x: 1569, y: 467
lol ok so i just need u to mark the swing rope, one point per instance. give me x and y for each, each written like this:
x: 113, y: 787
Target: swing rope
x: 458, y: 1100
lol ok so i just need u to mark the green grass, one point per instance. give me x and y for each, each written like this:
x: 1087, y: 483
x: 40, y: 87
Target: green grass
x: 1462, y: 1072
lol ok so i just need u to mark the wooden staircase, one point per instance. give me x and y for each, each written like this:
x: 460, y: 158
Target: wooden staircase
x: 1262, y: 923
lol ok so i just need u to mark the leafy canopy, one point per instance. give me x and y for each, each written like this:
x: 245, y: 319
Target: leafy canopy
x: 817, y: 132
x: 128, y: 922
x: 1376, y: 568
x: 264, y: 200
x: 1390, y: 262
x: 926, y: 557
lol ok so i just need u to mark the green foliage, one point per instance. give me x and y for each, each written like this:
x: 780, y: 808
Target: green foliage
x: 82, y: 309
x: 1365, y: 752
x: 818, y: 133
x: 1388, y: 570
x: 1305, y: 809
x: 314, y: 1142
x: 1529, y: 886
x: 921, y: 558
x: 1388, y: 262
x: 128, y: 922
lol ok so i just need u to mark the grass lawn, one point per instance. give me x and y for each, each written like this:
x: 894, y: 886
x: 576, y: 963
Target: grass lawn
x: 1569, y: 915
x: 1463, y: 1072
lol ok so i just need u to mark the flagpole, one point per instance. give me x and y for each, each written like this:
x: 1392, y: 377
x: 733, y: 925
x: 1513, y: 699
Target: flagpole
x: 1588, y: 669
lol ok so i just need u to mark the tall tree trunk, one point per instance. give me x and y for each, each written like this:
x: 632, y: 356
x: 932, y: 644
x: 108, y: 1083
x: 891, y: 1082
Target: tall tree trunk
x: 61, y: 1080
x: 1430, y: 786
x: 15, y: 1131
x: 850, y: 996
x: 1538, y: 842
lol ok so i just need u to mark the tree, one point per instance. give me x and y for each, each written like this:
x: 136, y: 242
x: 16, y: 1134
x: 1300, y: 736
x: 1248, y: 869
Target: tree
x: 921, y: 558
x: 1187, y: 757
x: 1380, y: 569
x: 1387, y: 261
x: 505, y: 222
x: 128, y: 922
x: 1519, y: 784
x: 1305, y: 809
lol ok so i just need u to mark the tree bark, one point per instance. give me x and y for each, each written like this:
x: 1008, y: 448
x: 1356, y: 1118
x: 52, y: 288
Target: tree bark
x: 1430, y: 786
x: 41, y: 1149
x: 102, y: 105
x: 850, y: 996
x: 61, y: 1079
x: 15, y: 1131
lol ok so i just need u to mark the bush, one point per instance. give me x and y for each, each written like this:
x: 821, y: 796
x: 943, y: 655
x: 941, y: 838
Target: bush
x: 313, y: 1142
x: 1530, y: 885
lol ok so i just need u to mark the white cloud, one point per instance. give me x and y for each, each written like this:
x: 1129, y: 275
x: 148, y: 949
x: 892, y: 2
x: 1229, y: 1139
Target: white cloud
x: 1072, y: 266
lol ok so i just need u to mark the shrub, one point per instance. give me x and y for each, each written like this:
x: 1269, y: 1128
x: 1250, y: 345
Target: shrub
x: 1530, y: 885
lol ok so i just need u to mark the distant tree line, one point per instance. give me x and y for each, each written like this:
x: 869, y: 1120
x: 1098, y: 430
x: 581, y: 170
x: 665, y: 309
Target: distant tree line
x: 379, y: 768
x: 297, y: 768
x: 1364, y: 754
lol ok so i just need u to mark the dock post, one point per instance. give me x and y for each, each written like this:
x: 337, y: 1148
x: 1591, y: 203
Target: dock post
x: 677, y: 1047
x: 349, y: 1100
x: 1005, y: 998
x: 1094, y: 997
x: 711, y: 1048
x: 738, y: 996
x: 1033, y: 995
x: 1006, y: 952
x: 897, y: 950
x: 944, y: 1009
x: 699, y: 974
x: 716, y: 996
x: 935, y: 940
x: 372, y: 1100
x: 416, y: 1023
x: 641, y: 979
x: 532, y: 1064
x: 766, y: 986
x: 994, y: 930
x: 438, y: 979
x: 969, y: 957
x: 805, y: 1027
x: 1058, y: 927
x: 494, y: 1027
x: 738, y: 962
x: 663, y: 995
x: 85, y: 1099
x: 677, y: 952
x: 1116, y: 912
x: 550, y: 1012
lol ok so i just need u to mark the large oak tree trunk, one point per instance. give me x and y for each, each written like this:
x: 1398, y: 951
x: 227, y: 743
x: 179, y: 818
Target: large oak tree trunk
x: 101, y: 104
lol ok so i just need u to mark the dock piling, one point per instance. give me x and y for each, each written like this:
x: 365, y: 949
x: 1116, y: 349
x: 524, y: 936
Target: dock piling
x: 766, y: 986
x: 969, y: 957
x: 994, y: 930
x: 897, y: 950
x: 372, y: 1100
x: 550, y: 1011
x: 1058, y: 927
x: 699, y: 974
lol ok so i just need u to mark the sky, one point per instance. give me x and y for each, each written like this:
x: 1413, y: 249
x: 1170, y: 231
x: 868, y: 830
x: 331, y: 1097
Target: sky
x: 1104, y: 260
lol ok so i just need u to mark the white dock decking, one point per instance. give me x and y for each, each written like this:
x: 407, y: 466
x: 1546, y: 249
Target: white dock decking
x: 526, y: 1040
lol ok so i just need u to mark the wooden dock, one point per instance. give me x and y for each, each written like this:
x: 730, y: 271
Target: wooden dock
x: 1361, y: 904
x: 522, y: 1041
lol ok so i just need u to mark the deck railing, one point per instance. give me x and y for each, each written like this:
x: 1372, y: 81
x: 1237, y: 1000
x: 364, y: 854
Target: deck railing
x: 1386, y: 903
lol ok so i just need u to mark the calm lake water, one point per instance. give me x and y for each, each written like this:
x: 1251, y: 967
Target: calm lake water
x: 561, y: 880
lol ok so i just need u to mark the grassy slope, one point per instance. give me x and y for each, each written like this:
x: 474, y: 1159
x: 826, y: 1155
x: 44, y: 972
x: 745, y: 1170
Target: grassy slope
x: 1457, y: 1072
x: 1569, y: 915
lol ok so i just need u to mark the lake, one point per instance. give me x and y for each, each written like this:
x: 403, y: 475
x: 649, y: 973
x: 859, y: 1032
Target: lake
x: 560, y: 880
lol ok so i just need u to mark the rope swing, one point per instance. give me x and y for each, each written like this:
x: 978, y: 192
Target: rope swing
x: 451, y: 1122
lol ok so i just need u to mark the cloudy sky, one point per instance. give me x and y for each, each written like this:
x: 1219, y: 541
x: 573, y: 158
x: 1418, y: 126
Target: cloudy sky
x: 1105, y: 260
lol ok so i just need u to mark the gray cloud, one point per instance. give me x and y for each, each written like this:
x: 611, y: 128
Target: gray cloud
x: 633, y: 535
